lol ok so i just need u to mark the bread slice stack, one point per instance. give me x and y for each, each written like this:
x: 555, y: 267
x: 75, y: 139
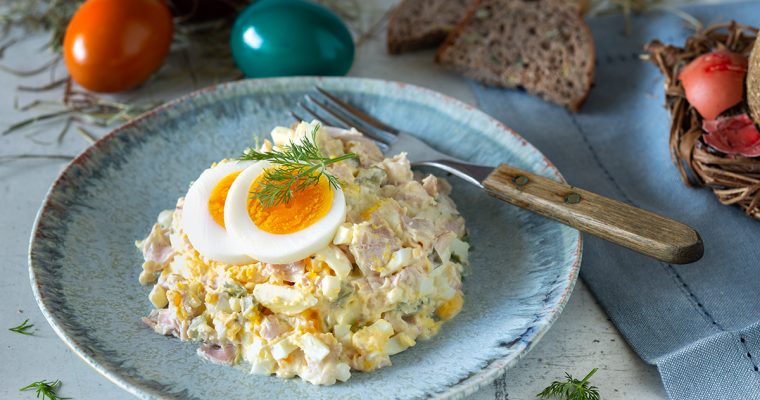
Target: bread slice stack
x: 542, y: 46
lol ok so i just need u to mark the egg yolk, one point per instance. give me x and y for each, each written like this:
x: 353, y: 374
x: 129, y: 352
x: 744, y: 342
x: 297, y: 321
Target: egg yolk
x: 305, y: 207
x: 219, y: 196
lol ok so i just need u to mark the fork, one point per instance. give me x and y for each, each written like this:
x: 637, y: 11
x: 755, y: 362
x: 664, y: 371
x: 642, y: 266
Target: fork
x: 620, y: 223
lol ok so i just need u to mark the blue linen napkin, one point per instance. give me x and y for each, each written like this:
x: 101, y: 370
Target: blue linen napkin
x: 699, y: 323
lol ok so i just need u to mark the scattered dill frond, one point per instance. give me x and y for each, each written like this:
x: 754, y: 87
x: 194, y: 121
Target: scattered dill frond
x: 297, y: 166
x: 45, y: 389
x: 572, y: 389
x: 23, y: 328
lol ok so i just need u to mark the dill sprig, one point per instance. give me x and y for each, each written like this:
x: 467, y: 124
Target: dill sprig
x: 297, y: 166
x: 23, y: 328
x: 572, y: 389
x: 45, y: 389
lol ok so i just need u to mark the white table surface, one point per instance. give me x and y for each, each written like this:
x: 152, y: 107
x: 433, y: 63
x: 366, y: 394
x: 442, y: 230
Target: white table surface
x: 581, y: 339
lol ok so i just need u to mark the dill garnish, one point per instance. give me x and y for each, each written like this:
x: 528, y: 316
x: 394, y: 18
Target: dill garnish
x: 297, y: 166
x: 23, y: 328
x: 572, y: 389
x: 45, y: 389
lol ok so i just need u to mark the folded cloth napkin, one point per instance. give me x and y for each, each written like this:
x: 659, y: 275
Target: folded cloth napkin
x: 699, y: 323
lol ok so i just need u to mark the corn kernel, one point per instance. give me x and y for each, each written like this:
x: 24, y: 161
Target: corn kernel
x: 152, y: 266
x: 146, y: 278
x: 158, y: 296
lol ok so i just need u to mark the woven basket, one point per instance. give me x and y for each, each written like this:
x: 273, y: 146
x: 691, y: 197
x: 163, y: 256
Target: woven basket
x: 735, y: 180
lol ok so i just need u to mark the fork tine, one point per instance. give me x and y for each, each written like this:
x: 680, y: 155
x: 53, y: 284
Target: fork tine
x: 358, y: 113
x: 351, y: 120
x: 343, y: 123
x: 318, y: 116
x: 340, y: 123
x: 297, y: 117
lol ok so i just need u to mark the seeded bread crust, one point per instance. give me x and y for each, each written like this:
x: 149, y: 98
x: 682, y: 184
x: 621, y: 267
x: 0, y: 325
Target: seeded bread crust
x: 543, y: 46
x: 419, y: 24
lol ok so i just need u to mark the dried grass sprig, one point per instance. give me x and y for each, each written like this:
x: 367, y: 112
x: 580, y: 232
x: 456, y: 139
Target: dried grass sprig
x: 734, y: 179
x: 34, y: 16
x: 208, y: 41
x: 15, y: 157
x: 630, y: 7
x: 80, y: 107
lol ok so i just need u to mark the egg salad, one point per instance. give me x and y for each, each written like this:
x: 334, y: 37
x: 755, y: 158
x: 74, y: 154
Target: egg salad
x: 338, y: 278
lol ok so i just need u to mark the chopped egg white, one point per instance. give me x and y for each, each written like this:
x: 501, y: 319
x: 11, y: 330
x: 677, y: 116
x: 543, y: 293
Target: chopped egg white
x: 283, y: 299
x: 335, y: 259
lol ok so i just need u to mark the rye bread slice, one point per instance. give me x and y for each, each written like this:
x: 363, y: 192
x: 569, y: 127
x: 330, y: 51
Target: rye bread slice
x: 543, y: 46
x: 418, y: 24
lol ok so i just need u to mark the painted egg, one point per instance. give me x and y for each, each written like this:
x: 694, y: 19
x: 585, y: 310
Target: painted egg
x: 291, y: 37
x: 115, y: 45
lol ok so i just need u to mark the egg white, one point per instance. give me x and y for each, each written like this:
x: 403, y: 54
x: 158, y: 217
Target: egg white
x: 209, y: 238
x: 277, y: 248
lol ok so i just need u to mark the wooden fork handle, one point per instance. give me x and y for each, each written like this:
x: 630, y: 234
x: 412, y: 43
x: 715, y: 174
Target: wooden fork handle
x: 640, y: 230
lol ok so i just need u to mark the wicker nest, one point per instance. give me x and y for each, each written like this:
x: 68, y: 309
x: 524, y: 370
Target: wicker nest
x: 734, y: 179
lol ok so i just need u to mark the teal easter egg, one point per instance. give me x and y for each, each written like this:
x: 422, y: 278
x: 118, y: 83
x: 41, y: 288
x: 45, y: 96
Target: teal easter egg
x: 290, y: 37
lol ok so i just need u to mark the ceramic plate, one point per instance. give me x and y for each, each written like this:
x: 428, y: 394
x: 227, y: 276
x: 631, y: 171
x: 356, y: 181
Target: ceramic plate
x: 84, y: 264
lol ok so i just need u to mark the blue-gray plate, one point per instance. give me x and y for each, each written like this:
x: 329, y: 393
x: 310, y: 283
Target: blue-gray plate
x: 84, y: 265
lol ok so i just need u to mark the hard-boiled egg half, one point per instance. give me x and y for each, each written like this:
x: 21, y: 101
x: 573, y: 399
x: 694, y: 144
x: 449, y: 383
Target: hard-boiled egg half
x: 285, y: 232
x: 203, y: 214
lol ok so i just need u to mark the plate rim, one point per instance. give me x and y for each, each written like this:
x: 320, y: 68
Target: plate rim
x: 464, y: 387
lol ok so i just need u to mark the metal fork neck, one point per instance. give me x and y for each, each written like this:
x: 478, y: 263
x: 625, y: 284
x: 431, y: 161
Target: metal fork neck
x: 472, y: 173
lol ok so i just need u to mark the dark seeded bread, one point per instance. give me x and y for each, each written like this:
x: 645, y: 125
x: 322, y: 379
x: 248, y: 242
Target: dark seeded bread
x: 418, y: 24
x: 543, y: 46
